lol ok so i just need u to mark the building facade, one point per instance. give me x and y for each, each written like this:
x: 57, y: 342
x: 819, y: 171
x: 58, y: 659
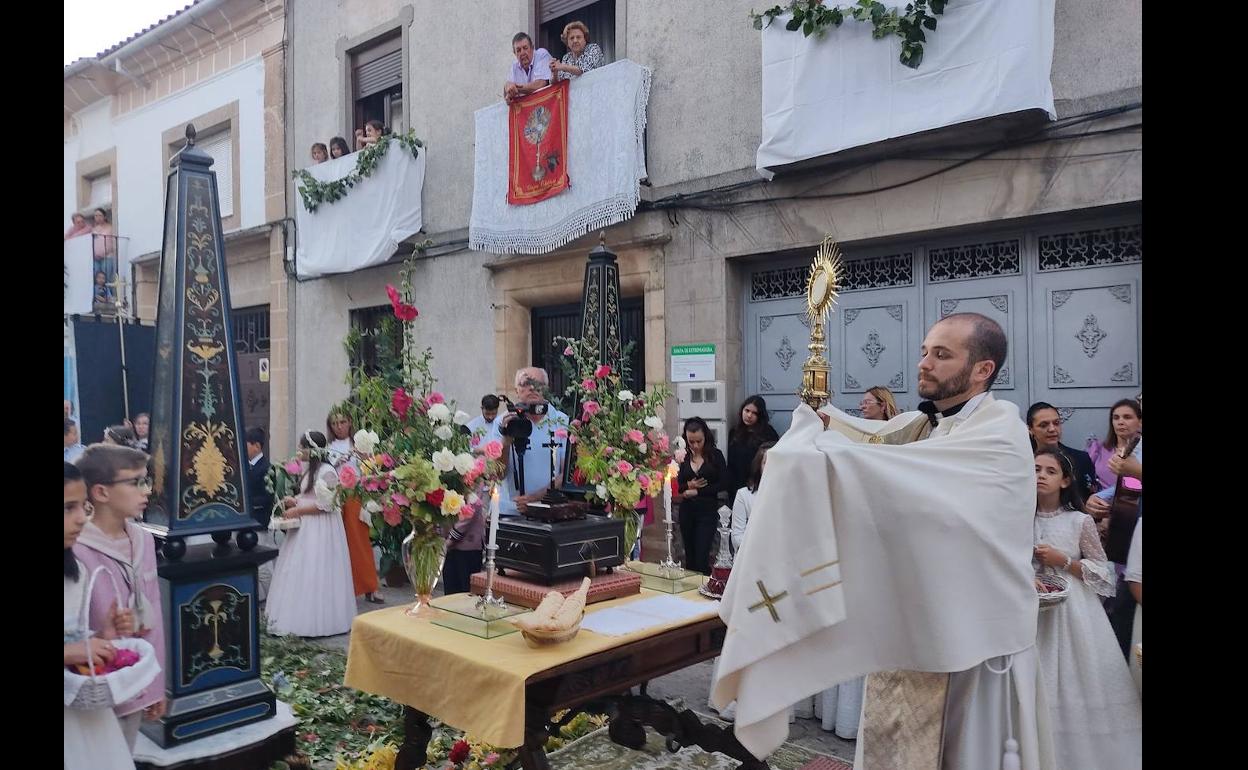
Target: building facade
x: 1036, y: 224
x: 219, y: 65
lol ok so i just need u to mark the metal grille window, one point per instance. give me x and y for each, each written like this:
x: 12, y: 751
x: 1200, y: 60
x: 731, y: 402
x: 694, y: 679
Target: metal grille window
x: 379, y: 334
x: 251, y: 329
x: 974, y: 260
x: 1091, y: 248
x: 565, y: 321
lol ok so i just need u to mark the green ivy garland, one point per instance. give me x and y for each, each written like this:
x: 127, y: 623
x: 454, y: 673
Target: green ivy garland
x: 813, y: 17
x: 315, y: 192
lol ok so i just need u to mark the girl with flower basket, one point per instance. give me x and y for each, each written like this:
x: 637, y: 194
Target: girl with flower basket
x: 93, y: 737
x: 311, y: 594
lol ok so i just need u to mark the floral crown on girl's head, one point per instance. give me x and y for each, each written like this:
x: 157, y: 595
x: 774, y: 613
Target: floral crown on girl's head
x: 314, y: 451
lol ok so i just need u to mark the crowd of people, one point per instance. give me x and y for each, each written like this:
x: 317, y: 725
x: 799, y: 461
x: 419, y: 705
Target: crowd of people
x: 371, y: 133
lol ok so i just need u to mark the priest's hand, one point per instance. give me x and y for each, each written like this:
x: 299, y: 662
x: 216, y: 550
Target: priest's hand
x: 1050, y: 556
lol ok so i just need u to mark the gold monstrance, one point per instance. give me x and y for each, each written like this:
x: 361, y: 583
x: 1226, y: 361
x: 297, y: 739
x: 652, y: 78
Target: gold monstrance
x: 821, y: 287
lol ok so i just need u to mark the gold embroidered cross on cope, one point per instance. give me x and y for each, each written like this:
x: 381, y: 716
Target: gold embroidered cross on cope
x: 769, y: 601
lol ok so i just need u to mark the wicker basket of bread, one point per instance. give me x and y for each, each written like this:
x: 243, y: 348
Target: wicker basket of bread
x: 557, y: 619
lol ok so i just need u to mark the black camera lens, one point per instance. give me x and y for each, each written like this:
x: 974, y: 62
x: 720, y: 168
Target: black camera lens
x: 519, y: 427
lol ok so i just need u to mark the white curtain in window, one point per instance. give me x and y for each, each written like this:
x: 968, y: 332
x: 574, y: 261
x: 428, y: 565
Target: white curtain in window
x: 101, y: 191
x: 221, y: 147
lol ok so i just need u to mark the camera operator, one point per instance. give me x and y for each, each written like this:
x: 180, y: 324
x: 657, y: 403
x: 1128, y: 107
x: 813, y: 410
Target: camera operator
x: 530, y: 383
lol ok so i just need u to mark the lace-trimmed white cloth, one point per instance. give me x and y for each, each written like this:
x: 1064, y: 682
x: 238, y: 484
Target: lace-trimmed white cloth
x: 606, y: 163
x: 1074, y: 534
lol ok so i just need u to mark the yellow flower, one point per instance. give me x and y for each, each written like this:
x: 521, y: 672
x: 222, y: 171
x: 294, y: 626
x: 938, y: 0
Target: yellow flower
x: 452, y: 501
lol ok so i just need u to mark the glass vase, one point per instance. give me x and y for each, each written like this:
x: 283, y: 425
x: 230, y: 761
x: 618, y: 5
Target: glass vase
x: 423, y: 556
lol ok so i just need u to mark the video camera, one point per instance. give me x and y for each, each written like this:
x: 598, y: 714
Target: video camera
x: 521, y: 428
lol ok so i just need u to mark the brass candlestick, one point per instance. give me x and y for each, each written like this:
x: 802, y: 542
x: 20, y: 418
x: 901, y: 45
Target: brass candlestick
x: 821, y: 293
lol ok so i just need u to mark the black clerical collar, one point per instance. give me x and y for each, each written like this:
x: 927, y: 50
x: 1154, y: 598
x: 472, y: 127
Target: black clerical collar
x: 929, y: 408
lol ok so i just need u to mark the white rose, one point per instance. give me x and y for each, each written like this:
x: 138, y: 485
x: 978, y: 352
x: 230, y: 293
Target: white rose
x: 601, y: 491
x: 462, y: 417
x: 625, y: 395
x: 440, y: 412
x: 642, y: 448
x: 444, y: 460
x: 365, y: 441
x: 679, y: 443
x: 443, y: 432
x: 464, y: 462
x: 372, y: 506
x: 654, y: 421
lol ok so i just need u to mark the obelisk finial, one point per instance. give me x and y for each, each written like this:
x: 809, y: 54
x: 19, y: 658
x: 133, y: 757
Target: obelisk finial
x: 190, y: 134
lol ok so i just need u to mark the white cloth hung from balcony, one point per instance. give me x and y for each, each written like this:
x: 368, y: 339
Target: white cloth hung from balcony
x: 606, y: 163
x: 79, y: 276
x: 845, y: 89
x: 364, y: 227
x: 876, y: 559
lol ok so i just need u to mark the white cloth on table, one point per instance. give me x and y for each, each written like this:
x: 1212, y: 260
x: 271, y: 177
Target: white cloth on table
x: 366, y: 226
x: 606, y: 163
x: 1093, y: 702
x: 848, y: 530
x: 93, y: 739
x: 312, y: 593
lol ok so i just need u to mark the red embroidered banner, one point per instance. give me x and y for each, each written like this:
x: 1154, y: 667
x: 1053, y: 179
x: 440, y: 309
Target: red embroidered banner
x: 537, y: 128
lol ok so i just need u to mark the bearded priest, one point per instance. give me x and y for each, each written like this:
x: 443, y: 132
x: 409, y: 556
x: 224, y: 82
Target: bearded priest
x: 902, y: 550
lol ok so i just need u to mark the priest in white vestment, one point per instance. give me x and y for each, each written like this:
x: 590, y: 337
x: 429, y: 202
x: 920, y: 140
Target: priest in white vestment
x: 899, y: 549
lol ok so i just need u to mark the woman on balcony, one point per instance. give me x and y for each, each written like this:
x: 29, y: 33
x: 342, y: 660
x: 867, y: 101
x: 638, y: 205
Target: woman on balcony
x: 582, y: 55
x: 78, y: 227
x: 104, y: 245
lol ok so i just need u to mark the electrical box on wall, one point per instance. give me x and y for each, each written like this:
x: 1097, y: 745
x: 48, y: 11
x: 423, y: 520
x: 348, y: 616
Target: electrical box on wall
x: 701, y: 399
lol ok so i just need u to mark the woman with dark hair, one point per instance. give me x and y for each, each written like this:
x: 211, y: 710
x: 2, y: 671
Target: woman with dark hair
x: 1126, y: 420
x: 93, y: 738
x: 752, y: 430
x: 371, y: 133
x: 1093, y: 702
x: 311, y: 591
x: 1045, y: 426
x: 700, y: 480
x: 339, y: 428
x: 338, y: 147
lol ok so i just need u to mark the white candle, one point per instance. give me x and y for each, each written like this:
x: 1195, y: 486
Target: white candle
x: 667, y: 491
x: 494, y: 517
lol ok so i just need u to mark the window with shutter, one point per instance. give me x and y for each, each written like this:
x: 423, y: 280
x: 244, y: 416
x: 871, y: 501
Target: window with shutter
x: 377, y: 84
x: 599, y: 16
x: 220, y: 147
x: 553, y: 9
x: 101, y: 191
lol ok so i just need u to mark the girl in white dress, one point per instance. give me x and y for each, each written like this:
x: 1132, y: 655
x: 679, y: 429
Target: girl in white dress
x: 1093, y: 702
x: 93, y: 738
x: 311, y: 594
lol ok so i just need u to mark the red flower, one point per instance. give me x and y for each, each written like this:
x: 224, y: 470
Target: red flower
x: 401, y: 402
x: 459, y: 752
x: 402, y: 310
x: 578, y: 477
x: 434, y: 498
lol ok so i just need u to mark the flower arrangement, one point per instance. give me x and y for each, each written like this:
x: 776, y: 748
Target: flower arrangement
x: 621, y: 449
x: 417, y: 467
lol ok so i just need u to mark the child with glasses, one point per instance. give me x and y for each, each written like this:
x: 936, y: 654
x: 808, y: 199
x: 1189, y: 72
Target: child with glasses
x: 118, y: 488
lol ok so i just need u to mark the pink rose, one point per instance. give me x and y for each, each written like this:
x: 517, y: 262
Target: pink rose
x: 624, y: 467
x: 293, y: 467
x: 589, y: 385
x: 636, y: 436
x: 401, y: 402
x: 347, y: 476
x: 602, y: 371
x: 466, y: 512
x: 474, y: 442
x: 387, y: 461
x: 592, y: 408
x: 661, y: 442
x: 576, y: 423
x: 494, y: 449
x: 400, y: 499
x: 568, y: 351
x: 643, y: 480
x: 492, y: 757
x: 610, y: 450
x: 561, y: 433
x: 434, y: 398
x: 371, y: 484
x: 391, y: 514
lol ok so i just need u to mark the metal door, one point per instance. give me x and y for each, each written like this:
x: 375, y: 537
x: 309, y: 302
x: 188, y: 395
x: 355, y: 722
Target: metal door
x: 251, y: 345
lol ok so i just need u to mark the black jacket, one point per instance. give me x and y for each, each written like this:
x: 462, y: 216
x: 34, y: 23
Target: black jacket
x: 741, y: 457
x: 715, y: 470
x: 261, y: 498
x: 1085, y: 470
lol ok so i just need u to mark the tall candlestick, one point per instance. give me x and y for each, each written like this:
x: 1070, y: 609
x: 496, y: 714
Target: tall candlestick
x: 554, y: 460
x: 494, y: 517
x: 667, y: 491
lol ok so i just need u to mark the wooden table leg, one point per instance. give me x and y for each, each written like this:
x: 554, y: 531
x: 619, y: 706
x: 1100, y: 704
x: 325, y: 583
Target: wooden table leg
x: 533, y: 752
x: 416, y: 735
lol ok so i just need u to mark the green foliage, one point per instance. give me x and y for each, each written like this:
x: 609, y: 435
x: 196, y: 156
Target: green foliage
x: 812, y: 17
x: 315, y: 192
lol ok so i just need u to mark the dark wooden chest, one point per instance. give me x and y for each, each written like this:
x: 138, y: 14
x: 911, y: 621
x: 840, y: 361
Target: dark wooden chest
x: 551, y: 550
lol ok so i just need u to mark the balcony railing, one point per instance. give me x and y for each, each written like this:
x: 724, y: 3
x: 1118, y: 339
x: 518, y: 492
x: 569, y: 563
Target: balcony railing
x: 92, y: 265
